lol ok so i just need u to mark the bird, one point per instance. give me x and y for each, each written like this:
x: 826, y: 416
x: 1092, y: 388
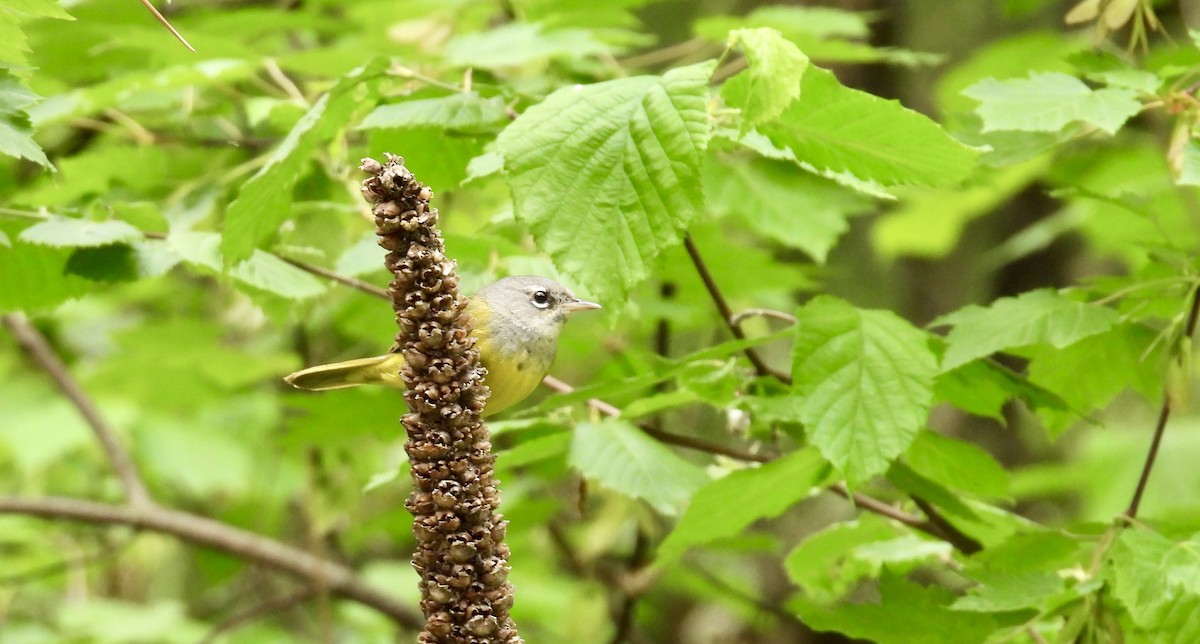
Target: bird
x: 517, y: 323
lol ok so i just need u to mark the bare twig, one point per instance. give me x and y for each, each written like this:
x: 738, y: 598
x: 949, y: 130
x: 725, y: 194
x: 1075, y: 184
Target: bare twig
x: 946, y: 530
x: 666, y: 437
x: 939, y: 527
x: 159, y: 16
x: 727, y: 313
x: 1164, y: 413
x: 206, y: 532
x: 365, y: 287
x: 40, y: 351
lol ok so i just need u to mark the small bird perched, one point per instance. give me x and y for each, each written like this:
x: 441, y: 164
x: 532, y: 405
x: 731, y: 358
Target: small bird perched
x: 517, y: 322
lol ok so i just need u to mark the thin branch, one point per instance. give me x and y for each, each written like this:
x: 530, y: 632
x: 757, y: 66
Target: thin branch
x: 947, y: 531
x: 206, y: 532
x: 159, y: 16
x: 665, y: 437
x: 934, y: 526
x: 727, y: 313
x: 40, y: 351
x: 1164, y: 413
x: 365, y: 287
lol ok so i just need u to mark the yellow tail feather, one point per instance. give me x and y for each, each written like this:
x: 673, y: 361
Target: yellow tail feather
x: 383, y: 369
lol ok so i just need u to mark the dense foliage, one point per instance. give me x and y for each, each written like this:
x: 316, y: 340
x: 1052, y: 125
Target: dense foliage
x: 870, y: 368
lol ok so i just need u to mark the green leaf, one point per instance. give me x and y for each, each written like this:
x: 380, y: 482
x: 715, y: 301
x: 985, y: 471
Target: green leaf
x: 773, y: 80
x: 728, y: 505
x: 837, y: 129
x: 1158, y: 581
x: 13, y: 41
x: 621, y: 457
x: 866, y: 381
x: 1049, y: 102
x: 519, y: 43
x: 781, y: 202
x: 123, y: 262
x: 1000, y: 592
x: 825, y: 566
x: 263, y: 271
x: 957, y: 464
x: 70, y: 232
x: 128, y: 87
x: 16, y: 134
x: 462, y: 112
x: 905, y: 613
x: 930, y: 221
x: 1043, y: 316
x: 263, y: 202
x: 608, y: 175
x: 35, y: 277
x: 1130, y: 356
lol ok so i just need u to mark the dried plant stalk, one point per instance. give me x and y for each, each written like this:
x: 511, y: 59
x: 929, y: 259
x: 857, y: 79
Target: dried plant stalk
x: 461, y: 556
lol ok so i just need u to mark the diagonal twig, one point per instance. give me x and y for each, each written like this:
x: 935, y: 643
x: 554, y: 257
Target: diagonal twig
x: 35, y: 344
x: 727, y: 315
x: 163, y: 20
x: 1164, y: 413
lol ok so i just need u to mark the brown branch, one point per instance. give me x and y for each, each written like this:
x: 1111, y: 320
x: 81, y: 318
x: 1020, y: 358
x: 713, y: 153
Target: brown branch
x: 159, y: 16
x: 666, y: 437
x: 213, y: 534
x: 40, y: 351
x: 940, y: 528
x: 727, y: 313
x: 1160, y: 426
x: 365, y: 287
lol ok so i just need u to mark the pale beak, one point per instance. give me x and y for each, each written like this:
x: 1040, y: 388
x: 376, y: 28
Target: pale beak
x: 579, y: 305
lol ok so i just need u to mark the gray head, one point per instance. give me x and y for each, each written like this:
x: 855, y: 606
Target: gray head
x: 526, y: 308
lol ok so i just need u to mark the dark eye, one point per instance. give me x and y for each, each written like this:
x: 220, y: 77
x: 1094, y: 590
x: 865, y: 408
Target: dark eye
x: 541, y: 299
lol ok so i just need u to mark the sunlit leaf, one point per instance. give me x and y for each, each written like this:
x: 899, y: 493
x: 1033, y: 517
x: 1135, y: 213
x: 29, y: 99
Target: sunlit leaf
x: 607, y: 175
x: 866, y: 381
x: 623, y: 458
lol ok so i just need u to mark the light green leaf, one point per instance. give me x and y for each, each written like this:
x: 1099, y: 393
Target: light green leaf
x: 16, y: 134
x: 87, y: 100
x: 728, y: 505
x: 13, y: 41
x: 623, y: 458
x: 824, y: 565
x: 792, y: 21
x: 263, y: 202
x: 608, y: 175
x: 1130, y: 356
x: 462, y: 112
x: 838, y: 129
x: 957, y: 464
x: 782, y: 202
x: 930, y: 221
x: 773, y: 80
x: 982, y: 387
x: 1187, y: 169
x: 1050, y: 101
x: 1037, y: 317
x: 263, y: 271
x: 866, y: 381
x: 69, y: 232
x: 1158, y: 581
x: 905, y: 613
x: 35, y: 277
x: 1000, y: 592
x: 111, y: 620
x: 519, y: 43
